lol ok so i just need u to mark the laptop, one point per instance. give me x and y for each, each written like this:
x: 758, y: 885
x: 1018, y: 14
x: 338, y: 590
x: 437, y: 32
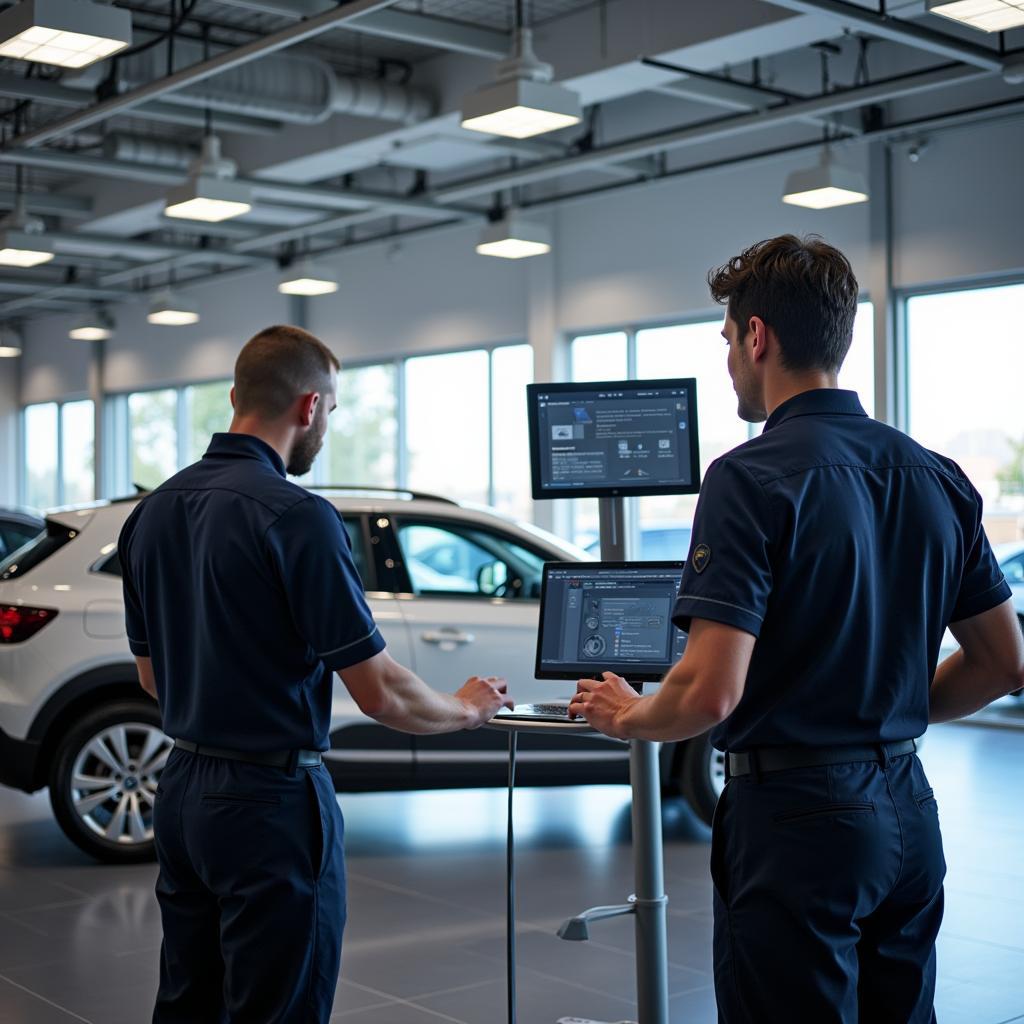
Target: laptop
x: 603, y: 616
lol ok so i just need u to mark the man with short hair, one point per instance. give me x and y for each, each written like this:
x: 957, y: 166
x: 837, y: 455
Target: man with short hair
x: 241, y: 602
x: 829, y: 554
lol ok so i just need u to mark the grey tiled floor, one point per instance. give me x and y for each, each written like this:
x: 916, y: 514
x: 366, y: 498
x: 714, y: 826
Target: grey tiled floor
x: 425, y: 940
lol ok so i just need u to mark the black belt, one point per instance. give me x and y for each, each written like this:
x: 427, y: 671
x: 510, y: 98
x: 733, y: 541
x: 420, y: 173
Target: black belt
x: 277, y: 759
x: 779, y: 759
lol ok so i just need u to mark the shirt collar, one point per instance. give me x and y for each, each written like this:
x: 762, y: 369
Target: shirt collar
x: 819, y: 402
x: 244, y: 446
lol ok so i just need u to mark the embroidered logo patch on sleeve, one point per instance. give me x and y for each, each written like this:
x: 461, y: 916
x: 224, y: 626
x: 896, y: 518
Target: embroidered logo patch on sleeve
x: 700, y: 558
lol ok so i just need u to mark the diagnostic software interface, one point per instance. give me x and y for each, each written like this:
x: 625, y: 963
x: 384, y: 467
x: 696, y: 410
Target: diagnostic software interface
x: 609, y: 616
x: 609, y: 439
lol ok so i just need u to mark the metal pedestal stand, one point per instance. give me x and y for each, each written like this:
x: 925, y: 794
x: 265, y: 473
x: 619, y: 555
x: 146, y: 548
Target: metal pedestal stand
x: 649, y: 903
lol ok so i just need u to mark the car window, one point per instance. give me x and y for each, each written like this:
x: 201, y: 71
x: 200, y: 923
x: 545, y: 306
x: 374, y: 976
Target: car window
x: 668, y: 545
x: 354, y: 527
x: 1013, y: 569
x: 14, y: 535
x: 444, y: 559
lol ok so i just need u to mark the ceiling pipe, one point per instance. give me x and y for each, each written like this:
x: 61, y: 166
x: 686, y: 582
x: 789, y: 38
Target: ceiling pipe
x: 884, y: 26
x: 48, y: 204
x: 404, y: 26
x: 284, y: 87
x: 205, y: 69
x: 57, y: 95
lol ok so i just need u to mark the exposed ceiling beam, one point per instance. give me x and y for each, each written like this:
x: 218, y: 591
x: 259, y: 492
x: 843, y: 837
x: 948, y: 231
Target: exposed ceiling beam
x: 280, y: 192
x: 51, y: 204
x: 884, y: 26
x: 57, y: 95
x: 712, y: 131
x: 133, y: 98
x: 403, y: 26
x: 1009, y: 109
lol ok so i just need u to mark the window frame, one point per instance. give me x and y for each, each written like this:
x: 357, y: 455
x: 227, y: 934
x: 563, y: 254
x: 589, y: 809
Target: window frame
x: 22, y: 434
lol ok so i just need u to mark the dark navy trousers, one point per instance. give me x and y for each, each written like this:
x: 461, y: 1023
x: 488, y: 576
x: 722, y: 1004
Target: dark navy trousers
x: 251, y: 892
x: 828, y: 895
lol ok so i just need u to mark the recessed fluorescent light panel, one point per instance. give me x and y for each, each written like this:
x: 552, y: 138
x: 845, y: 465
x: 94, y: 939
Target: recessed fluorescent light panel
x: 825, y: 186
x: 986, y: 15
x: 169, y: 310
x: 513, y: 238
x: 523, y: 102
x: 304, y: 278
x: 66, y: 33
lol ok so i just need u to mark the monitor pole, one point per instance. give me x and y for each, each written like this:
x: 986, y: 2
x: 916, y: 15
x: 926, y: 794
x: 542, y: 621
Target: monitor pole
x: 649, y: 903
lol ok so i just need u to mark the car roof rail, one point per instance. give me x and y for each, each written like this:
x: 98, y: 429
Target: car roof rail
x: 394, y: 492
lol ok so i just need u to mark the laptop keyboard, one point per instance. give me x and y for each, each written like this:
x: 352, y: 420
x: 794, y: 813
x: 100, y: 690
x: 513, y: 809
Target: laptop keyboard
x: 554, y: 710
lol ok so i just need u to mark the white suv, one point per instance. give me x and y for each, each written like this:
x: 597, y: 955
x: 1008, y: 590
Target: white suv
x: 454, y: 589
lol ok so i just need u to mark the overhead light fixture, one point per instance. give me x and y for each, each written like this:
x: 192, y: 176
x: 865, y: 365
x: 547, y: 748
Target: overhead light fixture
x: 305, y: 278
x: 170, y: 310
x: 523, y: 102
x: 986, y: 15
x: 22, y: 242
x: 512, y: 237
x: 211, y: 194
x: 67, y: 33
x: 96, y: 325
x: 825, y: 186
x: 10, y: 343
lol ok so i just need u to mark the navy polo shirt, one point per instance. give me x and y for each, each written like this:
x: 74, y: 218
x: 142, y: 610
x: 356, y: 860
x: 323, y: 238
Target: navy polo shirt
x: 241, y: 587
x: 846, y: 548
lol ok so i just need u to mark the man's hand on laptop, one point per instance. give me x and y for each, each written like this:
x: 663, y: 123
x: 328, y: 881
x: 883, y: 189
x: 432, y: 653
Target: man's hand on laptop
x: 601, y: 701
x: 484, y: 697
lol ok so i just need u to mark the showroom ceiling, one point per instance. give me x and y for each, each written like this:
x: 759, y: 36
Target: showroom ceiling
x: 340, y: 124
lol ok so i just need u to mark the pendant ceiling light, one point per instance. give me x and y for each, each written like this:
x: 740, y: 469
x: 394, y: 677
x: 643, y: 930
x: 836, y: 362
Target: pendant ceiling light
x: 96, y: 325
x: 171, y: 310
x: 522, y: 101
x: 307, y: 278
x: 987, y: 15
x: 513, y: 237
x: 10, y: 343
x: 66, y: 33
x: 825, y: 186
x: 211, y: 193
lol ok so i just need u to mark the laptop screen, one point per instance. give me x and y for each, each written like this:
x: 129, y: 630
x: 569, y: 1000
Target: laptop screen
x: 608, y: 616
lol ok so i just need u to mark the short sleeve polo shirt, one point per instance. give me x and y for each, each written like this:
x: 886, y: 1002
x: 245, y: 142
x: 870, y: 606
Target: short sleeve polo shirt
x: 846, y: 548
x: 241, y: 587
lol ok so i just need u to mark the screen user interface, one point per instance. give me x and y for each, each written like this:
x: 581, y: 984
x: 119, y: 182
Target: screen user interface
x: 615, y: 618
x: 624, y: 438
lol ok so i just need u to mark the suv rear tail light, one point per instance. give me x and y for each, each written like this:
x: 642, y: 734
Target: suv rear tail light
x: 18, y: 623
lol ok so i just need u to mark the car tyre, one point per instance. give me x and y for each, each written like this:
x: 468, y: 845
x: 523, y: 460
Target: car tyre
x: 701, y: 776
x: 103, y: 780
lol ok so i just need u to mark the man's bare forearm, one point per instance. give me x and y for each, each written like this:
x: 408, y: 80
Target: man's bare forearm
x: 673, y: 713
x: 962, y: 686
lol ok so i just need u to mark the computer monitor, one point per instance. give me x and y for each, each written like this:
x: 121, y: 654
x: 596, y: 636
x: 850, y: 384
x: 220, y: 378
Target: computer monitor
x: 608, y: 616
x: 614, y: 438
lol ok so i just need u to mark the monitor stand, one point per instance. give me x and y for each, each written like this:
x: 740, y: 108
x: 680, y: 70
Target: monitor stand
x: 649, y: 903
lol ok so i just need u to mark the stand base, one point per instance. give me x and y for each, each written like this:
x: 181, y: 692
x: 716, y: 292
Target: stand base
x: 587, y: 1020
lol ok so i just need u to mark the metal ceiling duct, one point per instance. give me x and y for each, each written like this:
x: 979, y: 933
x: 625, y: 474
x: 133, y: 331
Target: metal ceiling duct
x: 155, y: 152
x: 284, y: 87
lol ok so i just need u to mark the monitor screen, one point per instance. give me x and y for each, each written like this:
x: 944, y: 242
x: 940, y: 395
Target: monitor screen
x: 614, y: 439
x: 608, y: 616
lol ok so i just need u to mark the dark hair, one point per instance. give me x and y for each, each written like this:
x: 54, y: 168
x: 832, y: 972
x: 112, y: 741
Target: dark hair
x: 278, y: 365
x: 803, y: 288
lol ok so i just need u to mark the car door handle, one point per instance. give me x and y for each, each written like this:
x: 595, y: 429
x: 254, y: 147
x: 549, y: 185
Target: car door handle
x: 447, y: 636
